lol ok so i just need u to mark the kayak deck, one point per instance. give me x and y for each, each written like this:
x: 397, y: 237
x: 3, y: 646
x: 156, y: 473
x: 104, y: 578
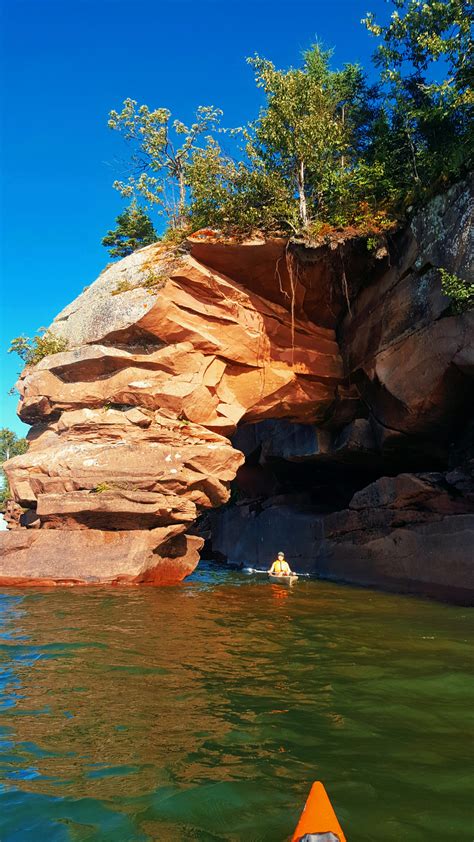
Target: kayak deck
x: 318, y: 816
x: 283, y: 580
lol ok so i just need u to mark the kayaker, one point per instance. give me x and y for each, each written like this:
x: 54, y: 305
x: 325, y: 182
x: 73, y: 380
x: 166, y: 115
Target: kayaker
x: 280, y: 566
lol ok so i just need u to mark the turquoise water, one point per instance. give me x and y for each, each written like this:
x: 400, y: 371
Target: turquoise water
x: 205, y: 711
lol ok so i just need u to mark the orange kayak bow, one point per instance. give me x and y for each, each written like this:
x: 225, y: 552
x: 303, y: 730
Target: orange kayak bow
x: 318, y: 818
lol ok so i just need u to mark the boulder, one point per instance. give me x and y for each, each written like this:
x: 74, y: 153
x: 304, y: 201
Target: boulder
x: 95, y: 557
x: 431, y: 559
x: 12, y: 515
x: 412, y: 532
x: 91, y: 452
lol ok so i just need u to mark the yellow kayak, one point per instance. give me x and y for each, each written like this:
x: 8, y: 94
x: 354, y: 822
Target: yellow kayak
x: 318, y: 817
x: 283, y: 579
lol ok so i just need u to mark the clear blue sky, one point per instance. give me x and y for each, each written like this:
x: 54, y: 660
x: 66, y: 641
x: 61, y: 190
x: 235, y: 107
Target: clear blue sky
x: 64, y: 66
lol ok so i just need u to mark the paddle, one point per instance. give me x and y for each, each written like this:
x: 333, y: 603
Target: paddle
x: 254, y: 570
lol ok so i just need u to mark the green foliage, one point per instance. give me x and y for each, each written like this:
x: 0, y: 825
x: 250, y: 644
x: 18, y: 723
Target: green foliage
x: 32, y: 350
x: 134, y: 230
x: 303, y: 159
x: 160, y: 152
x: 327, y: 150
x: 460, y: 292
x: 237, y: 196
x: 425, y: 55
x: 152, y: 281
x: 5, y: 493
x: 10, y: 445
x: 302, y: 132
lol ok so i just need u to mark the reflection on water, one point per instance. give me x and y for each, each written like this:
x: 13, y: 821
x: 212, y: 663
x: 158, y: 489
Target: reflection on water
x: 204, y: 711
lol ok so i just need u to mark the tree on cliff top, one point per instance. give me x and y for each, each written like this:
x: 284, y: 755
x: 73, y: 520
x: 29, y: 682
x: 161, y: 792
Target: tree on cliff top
x: 134, y: 230
x: 326, y: 149
x: 301, y: 159
x: 302, y: 131
x: 161, y: 149
x: 425, y: 55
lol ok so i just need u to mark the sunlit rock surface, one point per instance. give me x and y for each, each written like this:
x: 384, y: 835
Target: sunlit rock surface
x: 330, y: 384
x: 130, y: 424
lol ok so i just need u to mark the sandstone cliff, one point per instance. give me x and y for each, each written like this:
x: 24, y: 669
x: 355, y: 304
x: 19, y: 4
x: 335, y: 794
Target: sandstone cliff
x: 316, y: 375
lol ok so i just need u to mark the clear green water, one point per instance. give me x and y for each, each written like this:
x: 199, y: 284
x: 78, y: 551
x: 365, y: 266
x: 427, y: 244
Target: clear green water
x: 204, y: 711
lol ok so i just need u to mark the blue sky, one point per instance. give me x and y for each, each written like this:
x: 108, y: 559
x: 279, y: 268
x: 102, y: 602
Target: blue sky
x: 64, y: 66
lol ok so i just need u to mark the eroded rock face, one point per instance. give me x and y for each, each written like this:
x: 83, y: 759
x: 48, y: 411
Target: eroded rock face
x: 63, y: 557
x: 92, y: 467
x: 411, y: 533
x: 331, y: 381
x: 130, y: 425
x: 200, y: 347
x: 413, y: 363
x: 400, y: 519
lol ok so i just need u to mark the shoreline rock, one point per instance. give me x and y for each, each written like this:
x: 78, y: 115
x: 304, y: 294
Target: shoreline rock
x: 44, y: 558
x: 327, y: 387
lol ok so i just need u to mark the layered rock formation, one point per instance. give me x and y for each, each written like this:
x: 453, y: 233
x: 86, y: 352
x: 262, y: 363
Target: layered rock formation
x: 337, y: 498
x: 316, y: 375
x: 130, y: 425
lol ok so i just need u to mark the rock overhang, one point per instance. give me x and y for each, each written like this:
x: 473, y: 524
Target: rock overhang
x: 167, y: 350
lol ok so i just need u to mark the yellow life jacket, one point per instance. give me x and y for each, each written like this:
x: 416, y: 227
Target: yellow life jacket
x: 281, y: 566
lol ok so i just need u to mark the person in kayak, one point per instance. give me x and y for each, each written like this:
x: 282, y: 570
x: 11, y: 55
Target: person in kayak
x: 280, y: 566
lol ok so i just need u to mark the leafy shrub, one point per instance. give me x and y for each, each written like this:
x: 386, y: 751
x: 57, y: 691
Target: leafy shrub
x: 32, y: 350
x: 460, y: 292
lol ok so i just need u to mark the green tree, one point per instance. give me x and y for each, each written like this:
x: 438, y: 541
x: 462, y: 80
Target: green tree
x: 134, y: 230
x: 311, y: 126
x: 10, y: 445
x: 237, y: 195
x: 425, y: 54
x: 161, y: 149
x: 304, y: 157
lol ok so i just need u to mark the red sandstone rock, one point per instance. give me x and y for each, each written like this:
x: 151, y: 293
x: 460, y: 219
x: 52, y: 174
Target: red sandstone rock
x: 169, y: 354
x: 94, y: 557
x: 95, y: 450
x: 128, y: 422
x: 413, y: 362
x: 12, y: 514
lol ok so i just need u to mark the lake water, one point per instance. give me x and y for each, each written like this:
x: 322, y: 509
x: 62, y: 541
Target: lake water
x: 205, y: 711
